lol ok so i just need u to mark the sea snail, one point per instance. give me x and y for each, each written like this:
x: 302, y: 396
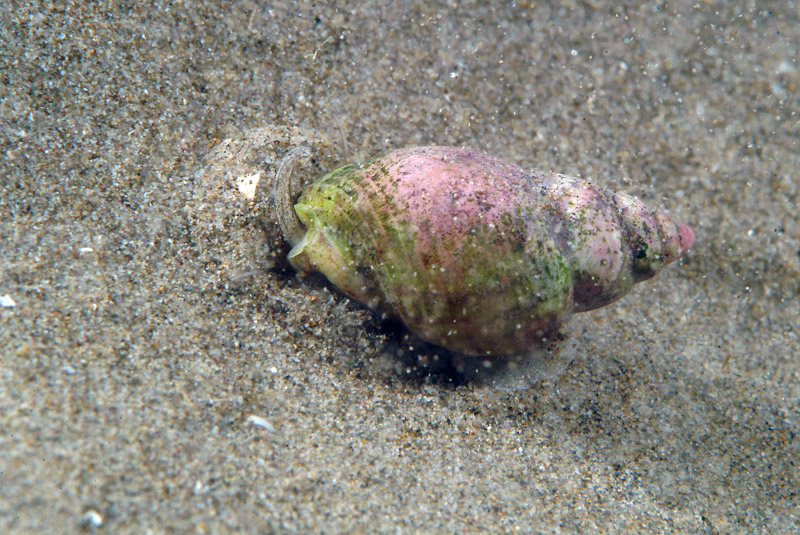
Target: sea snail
x: 472, y: 253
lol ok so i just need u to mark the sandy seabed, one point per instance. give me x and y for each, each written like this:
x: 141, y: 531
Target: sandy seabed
x: 163, y: 371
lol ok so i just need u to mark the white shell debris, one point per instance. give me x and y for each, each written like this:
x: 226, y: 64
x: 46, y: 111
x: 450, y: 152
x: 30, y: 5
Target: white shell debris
x: 7, y: 302
x: 260, y: 421
x: 247, y: 185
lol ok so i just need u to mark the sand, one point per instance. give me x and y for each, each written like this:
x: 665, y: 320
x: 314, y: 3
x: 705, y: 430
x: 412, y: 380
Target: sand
x: 164, y: 371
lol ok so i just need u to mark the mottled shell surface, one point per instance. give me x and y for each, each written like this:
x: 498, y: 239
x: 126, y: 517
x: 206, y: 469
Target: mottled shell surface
x: 476, y: 254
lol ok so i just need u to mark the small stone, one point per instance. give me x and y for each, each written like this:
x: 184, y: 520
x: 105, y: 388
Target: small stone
x: 92, y: 519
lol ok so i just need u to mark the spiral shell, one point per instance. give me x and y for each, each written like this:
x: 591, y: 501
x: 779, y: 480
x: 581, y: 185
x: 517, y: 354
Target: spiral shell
x: 474, y: 253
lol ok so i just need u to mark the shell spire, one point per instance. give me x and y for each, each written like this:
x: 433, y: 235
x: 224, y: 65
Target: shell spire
x: 613, y: 240
x: 476, y: 254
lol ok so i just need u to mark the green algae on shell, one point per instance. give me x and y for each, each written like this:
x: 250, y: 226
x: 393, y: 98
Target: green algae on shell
x: 473, y: 253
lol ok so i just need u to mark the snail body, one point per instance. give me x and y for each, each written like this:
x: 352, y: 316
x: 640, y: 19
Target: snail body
x: 473, y: 253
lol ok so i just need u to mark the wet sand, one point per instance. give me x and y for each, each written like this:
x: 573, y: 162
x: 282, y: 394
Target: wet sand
x: 164, y: 371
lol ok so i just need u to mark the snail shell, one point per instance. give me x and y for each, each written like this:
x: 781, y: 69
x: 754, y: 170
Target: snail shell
x: 473, y: 253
